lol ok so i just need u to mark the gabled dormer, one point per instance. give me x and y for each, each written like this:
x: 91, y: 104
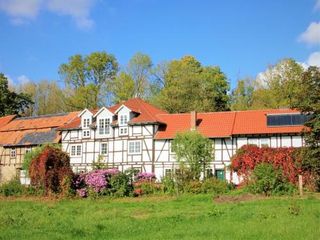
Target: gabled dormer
x: 86, y: 120
x: 104, y: 118
x: 124, y: 116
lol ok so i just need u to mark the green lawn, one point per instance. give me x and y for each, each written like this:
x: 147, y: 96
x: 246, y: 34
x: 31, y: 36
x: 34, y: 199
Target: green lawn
x: 185, y: 217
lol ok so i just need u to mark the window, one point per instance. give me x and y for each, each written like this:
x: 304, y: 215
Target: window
x: 86, y: 133
x: 123, y: 131
x: 13, y: 153
x: 123, y: 119
x: 104, y: 126
x: 104, y: 148
x: 28, y: 150
x: 134, y: 147
x: 209, y: 173
x: 86, y: 122
x: 75, y: 150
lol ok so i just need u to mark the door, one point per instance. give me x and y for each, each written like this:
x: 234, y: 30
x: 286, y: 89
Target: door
x: 219, y: 173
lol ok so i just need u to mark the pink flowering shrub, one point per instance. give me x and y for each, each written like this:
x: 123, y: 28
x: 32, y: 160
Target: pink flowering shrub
x: 146, y: 176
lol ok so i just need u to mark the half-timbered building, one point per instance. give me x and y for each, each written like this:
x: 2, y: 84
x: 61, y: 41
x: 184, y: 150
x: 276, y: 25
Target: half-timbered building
x: 135, y: 134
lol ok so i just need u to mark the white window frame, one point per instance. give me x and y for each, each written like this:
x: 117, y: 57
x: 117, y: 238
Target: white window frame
x: 123, y: 133
x: 86, y: 123
x: 132, y: 147
x: 264, y: 142
x: 75, y: 150
x: 84, y: 135
x: 13, y: 153
x: 28, y: 149
x: 123, y: 119
x: 101, y: 148
x: 104, y: 126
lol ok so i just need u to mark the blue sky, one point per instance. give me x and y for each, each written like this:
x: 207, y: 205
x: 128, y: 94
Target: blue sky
x: 242, y: 37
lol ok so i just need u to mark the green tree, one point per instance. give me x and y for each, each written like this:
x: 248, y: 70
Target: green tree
x: 123, y: 87
x: 11, y: 102
x: 193, y: 151
x: 97, y: 68
x: 277, y: 86
x: 307, y: 99
x: 189, y: 86
x: 242, y: 95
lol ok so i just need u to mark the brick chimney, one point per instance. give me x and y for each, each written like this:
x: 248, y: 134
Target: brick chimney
x: 193, y: 123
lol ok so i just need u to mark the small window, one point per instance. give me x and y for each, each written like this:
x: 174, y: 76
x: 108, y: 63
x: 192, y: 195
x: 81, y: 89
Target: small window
x: 28, y: 150
x: 13, y: 153
x: 104, y: 149
x: 134, y: 147
x: 86, y: 133
x: 123, y: 119
x: 209, y: 173
x: 75, y: 150
x: 123, y: 131
x: 86, y: 122
x: 104, y: 126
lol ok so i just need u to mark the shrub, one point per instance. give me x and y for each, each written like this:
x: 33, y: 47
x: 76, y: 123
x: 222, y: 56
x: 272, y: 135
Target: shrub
x: 50, y: 170
x: 265, y: 179
x: 120, y: 185
x: 216, y: 186
x: 12, y: 188
x: 285, y: 159
x: 168, y: 184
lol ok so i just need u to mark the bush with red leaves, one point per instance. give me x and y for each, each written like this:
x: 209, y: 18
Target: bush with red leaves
x: 285, y: 159
x: 51, y: 171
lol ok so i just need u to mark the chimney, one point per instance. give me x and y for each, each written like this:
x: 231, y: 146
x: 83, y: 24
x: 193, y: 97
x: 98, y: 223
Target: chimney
x: 193, y: 123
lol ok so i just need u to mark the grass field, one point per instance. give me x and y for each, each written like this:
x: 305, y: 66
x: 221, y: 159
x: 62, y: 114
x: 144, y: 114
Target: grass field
x: 162, y: 217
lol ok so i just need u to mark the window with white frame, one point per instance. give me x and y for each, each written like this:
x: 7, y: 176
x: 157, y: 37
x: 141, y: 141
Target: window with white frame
x: 123, y: 119
x: 104, y: 148
x: 134, y: 147
x: 86, y: 122
x: 85, y: 133
x: 28, y: 150
x: 253, y: 141
x: 123, y: 131
x: 75, y: 150
x: 104, y: 126
x: 13, y: 153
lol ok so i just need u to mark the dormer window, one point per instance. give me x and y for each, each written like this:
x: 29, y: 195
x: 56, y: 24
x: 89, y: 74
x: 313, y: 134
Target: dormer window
x: 123, y: 119
x: 86, y: 122
x: 104, y: 126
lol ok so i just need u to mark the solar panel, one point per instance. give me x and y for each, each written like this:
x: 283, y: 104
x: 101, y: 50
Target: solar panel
x: 287, y: 119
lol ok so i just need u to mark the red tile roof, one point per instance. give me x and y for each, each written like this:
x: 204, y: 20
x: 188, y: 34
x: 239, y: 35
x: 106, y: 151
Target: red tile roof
x: 225, y: 124
x: 216, y: 124
x: 21, y: 130
x: 5, y: 120
x: 147, y: 113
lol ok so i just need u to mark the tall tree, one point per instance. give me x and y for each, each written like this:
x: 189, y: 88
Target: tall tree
x: 242, y: 95
x: 277, y: 86
x: 307, y: 99
x: 190, y: 86
x: 123, y: 87
x: 11, y: 102
x: 97, y: 68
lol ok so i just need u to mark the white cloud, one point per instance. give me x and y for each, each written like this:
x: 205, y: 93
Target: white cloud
x: 79, y: 10
x: 23, y: 11
x: 314, y: 59
x: 23, y: 79
x: 20, y: 11
x: 312, y: 34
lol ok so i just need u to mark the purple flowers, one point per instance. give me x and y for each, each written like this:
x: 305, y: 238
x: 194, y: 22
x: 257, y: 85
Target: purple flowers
x: 96, y: 180
x: 146, y: 176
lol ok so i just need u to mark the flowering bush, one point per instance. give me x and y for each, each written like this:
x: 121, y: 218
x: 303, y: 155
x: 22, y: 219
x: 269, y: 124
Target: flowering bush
x: 146, y: 176
x: 284, y: 159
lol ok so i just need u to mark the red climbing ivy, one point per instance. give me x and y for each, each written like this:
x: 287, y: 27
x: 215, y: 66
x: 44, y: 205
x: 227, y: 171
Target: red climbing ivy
x: 51, y: 171
x: 286, y: 159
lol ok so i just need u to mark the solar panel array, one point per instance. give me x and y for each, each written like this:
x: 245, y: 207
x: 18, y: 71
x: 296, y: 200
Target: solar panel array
x: 287, y: 119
